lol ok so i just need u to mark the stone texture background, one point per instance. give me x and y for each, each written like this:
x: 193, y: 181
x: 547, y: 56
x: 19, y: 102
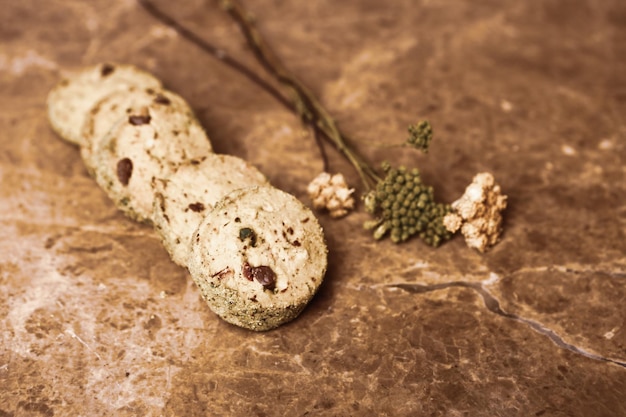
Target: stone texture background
x: 96, y: 320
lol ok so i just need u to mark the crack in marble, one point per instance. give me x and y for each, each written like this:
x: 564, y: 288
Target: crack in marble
x: 73, y: 335
x: 493, y: 305
x: 569, y: 269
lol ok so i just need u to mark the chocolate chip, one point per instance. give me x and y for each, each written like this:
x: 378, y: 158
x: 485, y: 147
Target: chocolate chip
x: 247, y: 233
x: 107, y: 69
x: 247, y: 271
x: 124, y: 170
x: 197, y: 207
x: 265, y: 276
x: 161, y: 99
x: 139, y: 120
x: 262, y: 274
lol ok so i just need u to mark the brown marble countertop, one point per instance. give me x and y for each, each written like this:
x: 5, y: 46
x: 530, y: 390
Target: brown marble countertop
x: 96, y: 320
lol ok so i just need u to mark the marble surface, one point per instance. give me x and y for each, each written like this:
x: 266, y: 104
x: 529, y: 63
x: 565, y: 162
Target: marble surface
x: 96, y: 320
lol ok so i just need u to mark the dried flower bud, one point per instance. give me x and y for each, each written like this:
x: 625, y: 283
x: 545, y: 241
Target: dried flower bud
x: 330, y: 192
x: 420, y: 135
x: 405, y: 207
x: 478, y: 213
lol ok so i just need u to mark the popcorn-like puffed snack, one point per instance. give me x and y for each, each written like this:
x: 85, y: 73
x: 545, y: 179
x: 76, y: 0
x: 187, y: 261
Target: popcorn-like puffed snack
x: 478, y: 213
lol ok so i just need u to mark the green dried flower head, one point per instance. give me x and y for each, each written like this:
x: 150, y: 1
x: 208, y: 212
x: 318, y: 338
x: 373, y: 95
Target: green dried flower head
x: 406, y: 207
x: 420, y: 135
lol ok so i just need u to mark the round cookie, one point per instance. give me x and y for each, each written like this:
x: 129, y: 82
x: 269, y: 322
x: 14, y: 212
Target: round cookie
x: 149, y: 142
x: 74, y: 96
x: 258, y: 257
x: 114, y: 109
x: 185, y: 196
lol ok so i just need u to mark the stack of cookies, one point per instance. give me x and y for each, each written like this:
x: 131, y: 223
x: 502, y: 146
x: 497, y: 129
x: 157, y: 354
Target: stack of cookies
x: 257, y: 253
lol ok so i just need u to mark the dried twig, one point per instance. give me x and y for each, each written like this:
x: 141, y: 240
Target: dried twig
x: 310, y: 109
x: 305, y: 104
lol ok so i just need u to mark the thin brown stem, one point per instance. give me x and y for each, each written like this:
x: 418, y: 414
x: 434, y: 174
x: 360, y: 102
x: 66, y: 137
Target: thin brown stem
x: 311, y: 110
x: 216, y: 52
x: 317, y: 134
x: 305, y: 103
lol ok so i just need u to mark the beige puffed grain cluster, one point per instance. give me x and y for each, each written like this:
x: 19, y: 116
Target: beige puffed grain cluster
x: 257, y: 254
x: 331, y: 192
x: 478, y: 213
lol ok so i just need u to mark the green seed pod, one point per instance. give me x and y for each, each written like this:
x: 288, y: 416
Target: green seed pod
x: 371, y: 224
x: 369, y: 201
x: 381, y: 231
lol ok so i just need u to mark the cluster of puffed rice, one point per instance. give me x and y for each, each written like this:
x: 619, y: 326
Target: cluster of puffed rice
x: 257, y: 254
x: 478, y: 213
x: 331, y: 192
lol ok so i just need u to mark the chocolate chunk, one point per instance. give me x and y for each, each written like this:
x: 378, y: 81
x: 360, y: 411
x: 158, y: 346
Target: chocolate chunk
x: 247, y: 233
x: 139, y: 120
x: 265, y: 276
x: 197, y: 207
x: 124, y: 170
x: 161, y: 99
x: 107, y: 69
x: 262, y: 274
x: 247, y: 271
